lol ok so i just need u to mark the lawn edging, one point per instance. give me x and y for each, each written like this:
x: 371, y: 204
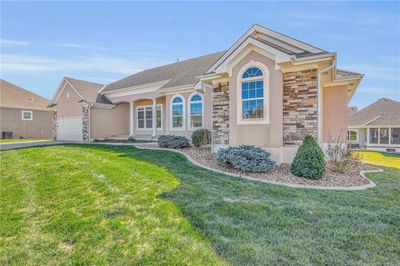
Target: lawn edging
x: 190, y: 159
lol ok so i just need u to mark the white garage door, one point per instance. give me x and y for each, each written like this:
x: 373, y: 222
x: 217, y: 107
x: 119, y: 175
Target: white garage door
x: 69, y: 128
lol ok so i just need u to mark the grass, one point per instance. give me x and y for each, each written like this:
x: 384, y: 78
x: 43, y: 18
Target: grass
x: 79, y: 204
x: 381, y: 158
x: 6, y: 141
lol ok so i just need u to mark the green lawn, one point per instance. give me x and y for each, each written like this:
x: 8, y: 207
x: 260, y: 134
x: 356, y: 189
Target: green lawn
x: 79, y: 204
x: 381, y: 158
x: 6, y: 141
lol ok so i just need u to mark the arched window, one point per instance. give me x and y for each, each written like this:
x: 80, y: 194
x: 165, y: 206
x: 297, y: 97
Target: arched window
x: 252, y: 93
x: 196, y: 111
x: 177, y: 112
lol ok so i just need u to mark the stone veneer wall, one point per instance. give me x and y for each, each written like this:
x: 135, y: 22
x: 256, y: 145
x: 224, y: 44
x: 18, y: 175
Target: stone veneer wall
x: 220, y: 113
x: 54, y: 125
x: 300, y: 105
x: 85, y: 123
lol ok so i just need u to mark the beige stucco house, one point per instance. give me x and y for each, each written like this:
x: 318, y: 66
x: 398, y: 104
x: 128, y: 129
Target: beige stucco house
x: 267, y: 89
x: 23, y: 113
x: 376, y: 127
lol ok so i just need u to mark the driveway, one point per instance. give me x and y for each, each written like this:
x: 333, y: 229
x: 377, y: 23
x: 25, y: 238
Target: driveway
x: 10, y: 146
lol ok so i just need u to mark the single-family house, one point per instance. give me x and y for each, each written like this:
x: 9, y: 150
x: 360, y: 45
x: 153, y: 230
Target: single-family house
x: 23, y: 114
x: 267, y: 89
x: 376, y: 127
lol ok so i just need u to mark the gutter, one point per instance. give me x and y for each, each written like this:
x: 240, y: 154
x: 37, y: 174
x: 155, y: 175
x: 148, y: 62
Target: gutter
x: 320, y: 95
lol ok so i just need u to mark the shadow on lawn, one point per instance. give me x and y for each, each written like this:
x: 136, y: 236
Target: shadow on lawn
x: 253, y: 223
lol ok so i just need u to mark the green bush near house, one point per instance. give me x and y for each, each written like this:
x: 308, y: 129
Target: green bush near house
x: 201, y: 137
x: 309, y: 161
x: 246, y: 158
x: 172, y: 141
x: 131, y: 138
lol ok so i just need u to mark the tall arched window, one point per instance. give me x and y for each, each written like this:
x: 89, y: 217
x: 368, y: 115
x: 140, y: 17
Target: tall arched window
x: 252, y: 94
x: 196, y: 111
x: 177, y: 112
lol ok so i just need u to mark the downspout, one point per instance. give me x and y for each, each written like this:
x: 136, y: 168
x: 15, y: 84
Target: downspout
x: 320, y: 100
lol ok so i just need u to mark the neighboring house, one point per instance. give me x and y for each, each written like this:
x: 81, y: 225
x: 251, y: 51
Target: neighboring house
x: 23, y: 113
x: 267, y: 89
x: 376, y: 127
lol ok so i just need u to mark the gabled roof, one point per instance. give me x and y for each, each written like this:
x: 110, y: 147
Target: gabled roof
x: 177, y: 74
x: 87, y: 90
x: 12, y: 96
x: 384, y: 112
x: 291, y: 47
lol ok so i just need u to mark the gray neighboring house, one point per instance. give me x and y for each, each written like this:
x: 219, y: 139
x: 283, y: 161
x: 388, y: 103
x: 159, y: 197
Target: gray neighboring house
x: 376, y: 127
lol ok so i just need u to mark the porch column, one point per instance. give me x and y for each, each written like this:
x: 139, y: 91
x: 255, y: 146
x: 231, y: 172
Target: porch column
x: 130, y: 118
x: 154, y: 117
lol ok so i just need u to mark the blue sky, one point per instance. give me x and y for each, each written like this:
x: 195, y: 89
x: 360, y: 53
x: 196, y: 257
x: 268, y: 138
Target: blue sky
x: 103, y: 41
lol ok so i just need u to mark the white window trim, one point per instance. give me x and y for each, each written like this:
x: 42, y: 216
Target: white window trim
x: 137, y: 117
x: 26, y: 111
x: 357, y: 133
x: 265, y: 78
x: 171, y: 127
x: 190, y: 110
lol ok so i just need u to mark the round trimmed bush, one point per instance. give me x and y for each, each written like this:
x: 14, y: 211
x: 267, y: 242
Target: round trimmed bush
x: 131, y: 138
x: 201, y: 137
x: 246, y: 158
x: 172, y: 141
x: 309, y: 161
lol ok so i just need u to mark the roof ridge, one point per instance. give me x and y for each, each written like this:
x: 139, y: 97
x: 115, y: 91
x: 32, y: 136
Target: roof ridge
x: 69, y: 78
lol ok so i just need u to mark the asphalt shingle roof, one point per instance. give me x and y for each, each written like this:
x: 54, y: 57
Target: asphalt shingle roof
x: 177, y: 74
x: 384, y: 112
x: 88, y: 90
x: 342, y: 74
x: 13, y: 96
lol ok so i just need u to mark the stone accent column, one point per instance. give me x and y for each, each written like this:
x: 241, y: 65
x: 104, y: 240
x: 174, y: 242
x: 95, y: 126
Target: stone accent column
x: 54, y: 125
x: 85, y: 123
x: 300, y: 106
x: 220, y: 113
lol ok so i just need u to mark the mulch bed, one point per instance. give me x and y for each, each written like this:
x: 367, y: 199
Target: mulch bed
x: 282, y: 173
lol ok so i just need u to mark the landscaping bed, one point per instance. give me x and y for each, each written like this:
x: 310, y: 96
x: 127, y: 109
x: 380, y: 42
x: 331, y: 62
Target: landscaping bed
x: 282, y: 174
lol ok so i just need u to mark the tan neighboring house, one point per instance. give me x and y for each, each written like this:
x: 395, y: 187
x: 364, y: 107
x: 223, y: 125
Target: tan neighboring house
x: 23, y: 113
x: 376, y: 127
x: 267, y: 89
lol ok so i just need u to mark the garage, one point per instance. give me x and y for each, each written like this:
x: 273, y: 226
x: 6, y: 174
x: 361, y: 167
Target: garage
x: 69, y: 128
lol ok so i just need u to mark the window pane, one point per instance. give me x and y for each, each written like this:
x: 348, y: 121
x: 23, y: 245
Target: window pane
x: 384, y: 135
x: 373, y: 135
x: 140, y: 123
x: 352, y: 135
x: 177, y: 109
x: 395, y: 135
x: 158, y: 117
x: 177, y: 100
x: 177, y: 121
x: 252, y: 72
x: 196, y: 121
x: 196, y: 98
x: 196, y: 108
x: 27, y: 115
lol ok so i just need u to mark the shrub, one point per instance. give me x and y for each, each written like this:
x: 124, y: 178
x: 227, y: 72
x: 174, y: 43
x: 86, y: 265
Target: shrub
x: 246, y: 158
x: 131, y: 138
x: 340, y: 157
x: 309, y: 161
x: 172, y: 141
x: 201, y: 137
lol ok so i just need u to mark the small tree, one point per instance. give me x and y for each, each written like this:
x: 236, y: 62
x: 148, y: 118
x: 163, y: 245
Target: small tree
x: 201, y: 137
x: 309, y: 161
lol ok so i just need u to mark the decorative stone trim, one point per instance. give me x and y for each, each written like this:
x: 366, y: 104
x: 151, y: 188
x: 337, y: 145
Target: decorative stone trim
x: 85, y: 123
x: 220, y: 113
x: 54, y: 125
x: 300, y: 106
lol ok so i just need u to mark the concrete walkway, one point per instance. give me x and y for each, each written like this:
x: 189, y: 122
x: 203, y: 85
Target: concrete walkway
x: 10, y: 146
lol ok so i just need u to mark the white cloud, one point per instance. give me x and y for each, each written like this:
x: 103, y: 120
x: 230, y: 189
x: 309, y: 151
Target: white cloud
x: 4, y: 42
x: 82, y: 46
x: 37, y: 64
x: 345, y: 38
x: 376, y: 72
